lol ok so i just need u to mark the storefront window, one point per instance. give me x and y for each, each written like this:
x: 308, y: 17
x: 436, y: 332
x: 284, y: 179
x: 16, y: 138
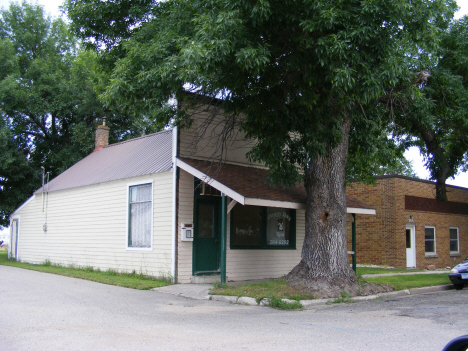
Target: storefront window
x: 255, y: 227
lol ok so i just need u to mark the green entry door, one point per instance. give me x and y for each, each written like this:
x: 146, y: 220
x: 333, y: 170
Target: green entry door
x: 206, y: 236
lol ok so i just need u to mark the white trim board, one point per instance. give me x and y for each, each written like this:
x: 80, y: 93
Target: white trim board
x: 356, y: 210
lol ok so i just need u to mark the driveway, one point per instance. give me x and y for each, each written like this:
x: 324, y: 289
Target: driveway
x: 40, y: 311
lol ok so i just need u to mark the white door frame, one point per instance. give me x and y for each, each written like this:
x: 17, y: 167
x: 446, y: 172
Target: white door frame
x: 411, y: 251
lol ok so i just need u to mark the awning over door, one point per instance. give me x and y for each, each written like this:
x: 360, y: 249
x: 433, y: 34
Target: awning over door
x: 247, y: 186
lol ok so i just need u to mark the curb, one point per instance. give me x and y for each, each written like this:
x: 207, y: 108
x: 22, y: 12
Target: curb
x: 308, y: 304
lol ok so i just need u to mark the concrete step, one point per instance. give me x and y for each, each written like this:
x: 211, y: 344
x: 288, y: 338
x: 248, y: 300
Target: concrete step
x: 206, y: 279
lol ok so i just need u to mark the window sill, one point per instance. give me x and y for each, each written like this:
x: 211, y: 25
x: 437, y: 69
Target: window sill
x: 431, y: 255
x: 139, y: 249
x: 455, y: 254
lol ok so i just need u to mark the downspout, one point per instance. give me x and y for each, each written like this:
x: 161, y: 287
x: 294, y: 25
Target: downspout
x: 174, y: 203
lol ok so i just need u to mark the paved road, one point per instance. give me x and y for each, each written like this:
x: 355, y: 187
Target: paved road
x: 40, y: 311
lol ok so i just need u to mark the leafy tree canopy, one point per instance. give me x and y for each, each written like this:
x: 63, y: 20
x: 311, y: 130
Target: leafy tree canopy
x: 434, y: 114
x: 48, y: 103
x: 309, y: 80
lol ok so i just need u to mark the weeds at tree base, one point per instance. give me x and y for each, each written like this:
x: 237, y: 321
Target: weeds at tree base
x: 276, y: 302
x: 344, y: 298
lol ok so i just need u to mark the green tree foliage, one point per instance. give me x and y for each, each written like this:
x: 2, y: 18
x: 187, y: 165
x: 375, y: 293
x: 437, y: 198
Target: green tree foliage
x: 48, y: 103
x: 305, y: 78
x: 434, y: 114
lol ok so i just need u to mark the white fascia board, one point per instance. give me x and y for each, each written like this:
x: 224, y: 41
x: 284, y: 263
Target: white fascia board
x: 24, y: 204
x: 367, y: 211
x: 215, y: 184
x: 274, y: 203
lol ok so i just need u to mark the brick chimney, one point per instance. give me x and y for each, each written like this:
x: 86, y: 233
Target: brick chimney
x: 102, y: 136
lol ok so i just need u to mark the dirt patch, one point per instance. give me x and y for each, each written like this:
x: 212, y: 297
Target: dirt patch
x: 324, y: 287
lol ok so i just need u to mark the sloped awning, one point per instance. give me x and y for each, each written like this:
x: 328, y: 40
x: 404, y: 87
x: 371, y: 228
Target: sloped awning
x: 247, y: 186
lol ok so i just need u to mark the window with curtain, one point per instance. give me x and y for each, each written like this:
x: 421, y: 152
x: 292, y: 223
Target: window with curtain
x: 140, y: 216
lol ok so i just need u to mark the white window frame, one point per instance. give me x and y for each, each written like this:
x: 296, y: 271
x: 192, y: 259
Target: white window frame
x: 435, y: 246
x: 129, y: 185
x: 458, y: 241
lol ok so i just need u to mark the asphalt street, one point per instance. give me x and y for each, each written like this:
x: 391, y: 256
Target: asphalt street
x: 40, y: 311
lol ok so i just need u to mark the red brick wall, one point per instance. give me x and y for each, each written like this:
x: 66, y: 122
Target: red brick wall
x: 381, y: 239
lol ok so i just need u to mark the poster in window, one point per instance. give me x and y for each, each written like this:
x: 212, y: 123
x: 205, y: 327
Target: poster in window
x: 278, y: 227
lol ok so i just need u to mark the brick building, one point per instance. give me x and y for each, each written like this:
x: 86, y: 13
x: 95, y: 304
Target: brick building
x: 410, y: 228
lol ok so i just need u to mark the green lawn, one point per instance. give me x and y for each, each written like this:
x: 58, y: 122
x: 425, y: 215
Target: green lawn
x: 127, y: 280
x: 281, y: 288
x: 365, y: 270
x: 402, y: 282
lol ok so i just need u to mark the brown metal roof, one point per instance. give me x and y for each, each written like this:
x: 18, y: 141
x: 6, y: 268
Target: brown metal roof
x: 251, y: 182
x: 136, y: 157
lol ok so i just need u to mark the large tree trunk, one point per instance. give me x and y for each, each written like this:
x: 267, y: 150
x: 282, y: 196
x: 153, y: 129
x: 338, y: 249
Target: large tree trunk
x: 324, y: 268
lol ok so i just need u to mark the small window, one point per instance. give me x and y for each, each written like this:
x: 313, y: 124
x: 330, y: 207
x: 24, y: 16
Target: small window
x: 255, y: 227
x: 140, y: 217
x: 454, y: 248
x: 208, y: 190
x: 430, y: 240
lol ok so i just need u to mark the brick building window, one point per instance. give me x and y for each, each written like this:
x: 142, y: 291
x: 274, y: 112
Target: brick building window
x: 430, y: 239
x: 454, y: 244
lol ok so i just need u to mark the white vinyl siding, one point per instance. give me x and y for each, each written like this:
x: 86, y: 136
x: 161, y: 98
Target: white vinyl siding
x: 87, y: 226
x: 185, y: 213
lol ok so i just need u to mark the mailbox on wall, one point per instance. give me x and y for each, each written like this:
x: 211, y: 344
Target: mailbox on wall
x: 187, y: 232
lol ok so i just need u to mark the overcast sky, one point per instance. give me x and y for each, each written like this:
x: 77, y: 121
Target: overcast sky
x: 52, y: 7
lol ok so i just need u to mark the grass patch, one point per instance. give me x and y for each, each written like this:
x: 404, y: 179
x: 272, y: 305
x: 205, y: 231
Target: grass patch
x: 278, y: 303
x: 271, y: 289
x: 402, y: 282
x: 366, y: 270
x: 127, y: 280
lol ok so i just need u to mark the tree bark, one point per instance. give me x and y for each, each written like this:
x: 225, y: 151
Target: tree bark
x: 324, y: 267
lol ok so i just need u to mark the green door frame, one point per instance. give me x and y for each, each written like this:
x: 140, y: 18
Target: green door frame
x: 216, y: 201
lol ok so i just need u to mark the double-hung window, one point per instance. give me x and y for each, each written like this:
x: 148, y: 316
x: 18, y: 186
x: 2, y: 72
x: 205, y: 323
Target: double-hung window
x: 430, y: 239
x: 140, y: 216
x: 255, y: 227
x: 454, y: 243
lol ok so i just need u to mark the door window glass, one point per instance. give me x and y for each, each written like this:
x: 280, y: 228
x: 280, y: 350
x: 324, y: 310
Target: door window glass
x: 205, y: 221
x: 408, y: 238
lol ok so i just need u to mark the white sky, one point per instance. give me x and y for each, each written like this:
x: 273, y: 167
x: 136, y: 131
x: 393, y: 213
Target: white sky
x: 51, y: 7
